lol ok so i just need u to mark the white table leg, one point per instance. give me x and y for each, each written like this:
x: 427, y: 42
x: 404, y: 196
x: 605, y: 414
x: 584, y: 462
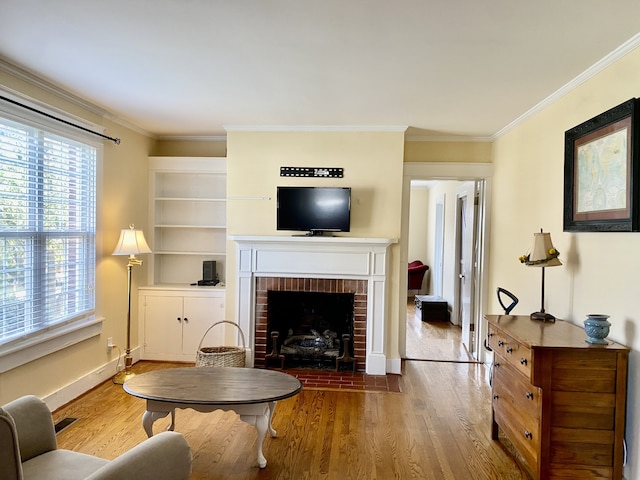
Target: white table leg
x: 149, y: 417
x: 261, y: 422
x: 272, y: 407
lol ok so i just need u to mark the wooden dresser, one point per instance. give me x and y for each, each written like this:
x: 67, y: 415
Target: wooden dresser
x: 559, y: 400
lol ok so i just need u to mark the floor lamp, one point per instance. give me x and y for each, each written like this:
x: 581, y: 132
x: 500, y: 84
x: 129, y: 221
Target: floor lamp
x: 131, y: 243
x: 543, y: 254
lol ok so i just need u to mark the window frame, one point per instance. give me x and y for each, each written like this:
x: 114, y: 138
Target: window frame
x: 50, y: 339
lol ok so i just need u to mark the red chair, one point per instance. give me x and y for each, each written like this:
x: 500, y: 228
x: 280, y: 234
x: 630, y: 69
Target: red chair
x: 417, y: 271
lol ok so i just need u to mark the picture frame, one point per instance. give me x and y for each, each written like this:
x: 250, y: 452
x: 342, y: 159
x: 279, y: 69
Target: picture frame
x: 601, y: 172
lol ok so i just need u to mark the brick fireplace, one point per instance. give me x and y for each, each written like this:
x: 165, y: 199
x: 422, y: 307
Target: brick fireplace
x: 264, y: 285
x: 318, y: 264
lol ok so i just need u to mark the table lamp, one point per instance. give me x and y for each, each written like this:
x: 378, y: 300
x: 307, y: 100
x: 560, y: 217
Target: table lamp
x: 542, y: 254
x: 131, y: 243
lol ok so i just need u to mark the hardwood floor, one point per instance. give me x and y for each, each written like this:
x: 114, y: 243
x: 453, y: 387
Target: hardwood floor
x: 437, y: 428
x: 435, y: 341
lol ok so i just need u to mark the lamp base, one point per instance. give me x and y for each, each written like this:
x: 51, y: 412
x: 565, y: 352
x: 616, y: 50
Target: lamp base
x: 122, y: 376
x: 543, y: 317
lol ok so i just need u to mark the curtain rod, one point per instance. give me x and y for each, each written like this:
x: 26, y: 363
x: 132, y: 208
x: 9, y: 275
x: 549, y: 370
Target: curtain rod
x: 114, y: 140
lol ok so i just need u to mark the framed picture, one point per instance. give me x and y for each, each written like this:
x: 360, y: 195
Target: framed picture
x: 601, y: 172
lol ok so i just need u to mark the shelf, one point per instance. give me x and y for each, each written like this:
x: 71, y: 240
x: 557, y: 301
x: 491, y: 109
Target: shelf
x: 178, y: 252
x: 189, y: 199
x: 211, y: 227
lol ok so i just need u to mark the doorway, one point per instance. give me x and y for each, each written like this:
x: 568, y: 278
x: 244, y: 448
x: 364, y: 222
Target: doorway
x: 457, y: 218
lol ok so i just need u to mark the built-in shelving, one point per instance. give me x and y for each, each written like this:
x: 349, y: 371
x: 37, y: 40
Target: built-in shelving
x: 188, y: 208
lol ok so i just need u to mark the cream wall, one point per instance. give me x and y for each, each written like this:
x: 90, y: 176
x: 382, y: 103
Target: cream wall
x: 420, y: 223
x: 190, y: 148
x: 124, y: 201
x: 473, y: 151
x: 372, y: 163
x: 600, y: 271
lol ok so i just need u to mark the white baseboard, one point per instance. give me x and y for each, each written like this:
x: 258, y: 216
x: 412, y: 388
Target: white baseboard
x: 85, y: 383
x: 394, y: 365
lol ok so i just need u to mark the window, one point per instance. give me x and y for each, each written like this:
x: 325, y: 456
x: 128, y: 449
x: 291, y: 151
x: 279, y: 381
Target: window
x: 47, y: 232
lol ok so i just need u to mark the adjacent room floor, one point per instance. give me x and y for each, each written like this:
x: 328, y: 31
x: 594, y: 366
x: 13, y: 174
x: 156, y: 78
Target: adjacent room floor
x: 436, y: 341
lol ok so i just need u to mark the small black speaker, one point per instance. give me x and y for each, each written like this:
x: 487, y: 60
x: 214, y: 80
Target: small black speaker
x: 209, y: 270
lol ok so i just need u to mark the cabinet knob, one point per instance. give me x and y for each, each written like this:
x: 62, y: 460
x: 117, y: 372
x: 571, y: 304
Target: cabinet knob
x: 186, y: 320
x: 529, y: 395
x: 523, y: 361
x: 509, y: 349
x: 496, y: 365
x: 528, y: 434
x: 179, y: 319
x: 500, y: 343
x: 495, y: 396
x: 490, y: 334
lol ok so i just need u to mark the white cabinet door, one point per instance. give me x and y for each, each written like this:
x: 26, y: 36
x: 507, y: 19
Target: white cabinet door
x: 163, y: 320
x: 200, y: 313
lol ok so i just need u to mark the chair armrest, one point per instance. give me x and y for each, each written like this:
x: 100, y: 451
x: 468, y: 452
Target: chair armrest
x: 10, y: 464
x: 166, y: 455
x: 34, y: 426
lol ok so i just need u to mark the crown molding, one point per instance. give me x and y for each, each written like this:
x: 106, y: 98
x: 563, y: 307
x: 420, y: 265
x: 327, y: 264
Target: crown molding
x: 315, y: 128
x: 608, y: 60
x: 193, y: 138
x: 32, y: 79
x: 446, y: 138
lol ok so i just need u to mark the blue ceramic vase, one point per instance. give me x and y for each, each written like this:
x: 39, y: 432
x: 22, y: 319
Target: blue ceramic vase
x: 597, y: 328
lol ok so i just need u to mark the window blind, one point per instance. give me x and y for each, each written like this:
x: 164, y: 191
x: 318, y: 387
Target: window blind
x: 47, y: 230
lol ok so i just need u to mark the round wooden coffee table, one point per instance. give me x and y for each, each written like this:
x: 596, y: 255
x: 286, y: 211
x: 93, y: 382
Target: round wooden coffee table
x: 250, y: 392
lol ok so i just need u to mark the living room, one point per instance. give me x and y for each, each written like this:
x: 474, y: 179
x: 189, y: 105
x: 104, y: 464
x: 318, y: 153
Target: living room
x: 598, y: 272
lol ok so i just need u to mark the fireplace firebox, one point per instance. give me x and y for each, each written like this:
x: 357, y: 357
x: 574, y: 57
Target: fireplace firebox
x: 309, y: 329
x: 310, y: 315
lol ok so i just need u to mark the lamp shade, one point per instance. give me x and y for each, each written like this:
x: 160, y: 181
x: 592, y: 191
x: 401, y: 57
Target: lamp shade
x: 131, y: 242
x: 543, y: 253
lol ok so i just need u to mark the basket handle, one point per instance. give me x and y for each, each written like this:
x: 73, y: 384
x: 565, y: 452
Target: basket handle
x: 217, y: 323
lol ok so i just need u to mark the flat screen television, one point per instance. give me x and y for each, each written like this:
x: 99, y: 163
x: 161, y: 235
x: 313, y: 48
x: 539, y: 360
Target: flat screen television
x: 315, y: 210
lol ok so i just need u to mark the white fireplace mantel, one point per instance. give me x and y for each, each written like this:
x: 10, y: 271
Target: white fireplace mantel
x: 316, y: 257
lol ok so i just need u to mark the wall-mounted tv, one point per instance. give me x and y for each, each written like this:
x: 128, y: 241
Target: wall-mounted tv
x: 315, y: 210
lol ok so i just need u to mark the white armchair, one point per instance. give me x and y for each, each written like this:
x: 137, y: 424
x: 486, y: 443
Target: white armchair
x: 28, y: 451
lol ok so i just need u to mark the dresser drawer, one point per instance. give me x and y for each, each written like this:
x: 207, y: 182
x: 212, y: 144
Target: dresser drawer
x: 512, y: 351
x: 523, y: 438
x: 512, y: 388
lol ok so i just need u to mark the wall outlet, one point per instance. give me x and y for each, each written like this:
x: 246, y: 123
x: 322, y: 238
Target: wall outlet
x: 109, y: 344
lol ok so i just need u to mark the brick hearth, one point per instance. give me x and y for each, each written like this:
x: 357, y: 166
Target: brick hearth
x: 327, y: 285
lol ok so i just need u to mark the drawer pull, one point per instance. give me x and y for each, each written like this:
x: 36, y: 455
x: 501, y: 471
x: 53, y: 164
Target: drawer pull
x: 527, y: 434
x: 529, y: 395
x: 500, y: 343
x: 490, y: 334
x: 523, y: 361
x: 509, y: 349
x: 496, y: 365
x: 495, y: 396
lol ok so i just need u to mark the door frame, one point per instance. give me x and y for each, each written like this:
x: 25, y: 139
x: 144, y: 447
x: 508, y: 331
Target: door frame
x: 467, y: 207
x: 461, y: 171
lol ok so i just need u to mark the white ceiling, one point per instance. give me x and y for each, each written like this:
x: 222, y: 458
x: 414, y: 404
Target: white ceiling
x: 193, y: 67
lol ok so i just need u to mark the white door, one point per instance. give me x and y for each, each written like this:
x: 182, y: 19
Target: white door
x: 438, y: 254
x: 199, y: 314
x: 465, y: 251
x: 162, y: 325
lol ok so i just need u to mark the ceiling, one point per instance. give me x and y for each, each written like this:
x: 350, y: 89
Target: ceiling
x: 442, y: 68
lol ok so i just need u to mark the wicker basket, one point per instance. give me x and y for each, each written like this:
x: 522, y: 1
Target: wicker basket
x: 221, y: 356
